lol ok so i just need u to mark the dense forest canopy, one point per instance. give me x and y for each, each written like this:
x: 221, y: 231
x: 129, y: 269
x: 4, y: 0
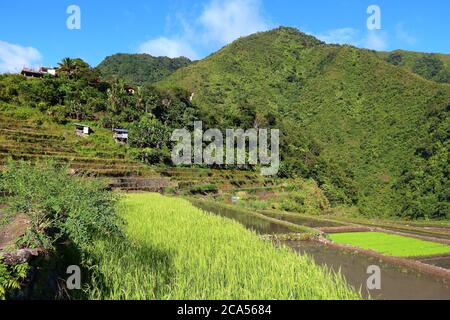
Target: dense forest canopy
x: 140, y: 68
x: 434, y: 67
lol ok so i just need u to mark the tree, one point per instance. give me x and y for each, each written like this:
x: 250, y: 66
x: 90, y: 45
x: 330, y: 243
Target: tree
x: 429, y: 67
x: 149, y: 132
x: 395, y: 58
x: 117, y: 97
x: 73, y: 68
x: 146, y: 99
x: 66, y: 67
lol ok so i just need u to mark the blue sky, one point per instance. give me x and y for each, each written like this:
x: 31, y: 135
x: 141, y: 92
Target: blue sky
x: 35, y: 33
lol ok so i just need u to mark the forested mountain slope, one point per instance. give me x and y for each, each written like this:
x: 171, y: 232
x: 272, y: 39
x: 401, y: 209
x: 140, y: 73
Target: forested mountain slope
x: 372, y: 134
x: 431, y: 66
x: 140, y: 68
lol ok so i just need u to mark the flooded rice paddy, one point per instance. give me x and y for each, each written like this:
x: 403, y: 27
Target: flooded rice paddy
x: 396, y: 282
x: 256, y: 224
x: 302, y: 220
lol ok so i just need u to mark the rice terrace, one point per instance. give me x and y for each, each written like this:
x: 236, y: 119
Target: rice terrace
x: 257, y: 164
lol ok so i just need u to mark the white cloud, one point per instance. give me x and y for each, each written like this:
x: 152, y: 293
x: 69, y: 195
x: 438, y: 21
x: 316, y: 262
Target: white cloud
x: 403, y: 35
x: 14, y: 57
x: 376, y: 40
x: 171, y: 48
x: 340, y: 36
x: 219, y: 23
x: 225, y: 21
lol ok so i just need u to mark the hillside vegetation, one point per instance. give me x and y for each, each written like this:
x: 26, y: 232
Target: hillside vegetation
x: 372, y: 134
x: 431, y: 66
x: 37, y: 119
x: 140, y: 68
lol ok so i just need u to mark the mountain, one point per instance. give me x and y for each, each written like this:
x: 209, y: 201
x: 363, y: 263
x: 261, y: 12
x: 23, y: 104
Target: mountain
x: 431, y: 66
x: 372, y: 134
x: 140, y: 68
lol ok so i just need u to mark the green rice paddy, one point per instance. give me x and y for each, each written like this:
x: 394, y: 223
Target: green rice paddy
x: 390, y: 244
x: 176, y: 251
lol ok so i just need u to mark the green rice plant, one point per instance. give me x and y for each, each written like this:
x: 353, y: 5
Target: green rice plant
x: 391, y: 244
x: 176, y: 251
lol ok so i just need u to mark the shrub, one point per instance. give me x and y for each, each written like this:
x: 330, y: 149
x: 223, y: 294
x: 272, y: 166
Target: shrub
x: 154, y: 156
x: 149, y: 132
x: 204, y: 189
x: 59, y: 206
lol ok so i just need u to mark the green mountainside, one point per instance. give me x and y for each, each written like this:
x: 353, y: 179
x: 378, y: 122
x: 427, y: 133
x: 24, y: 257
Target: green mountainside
x: 140, y: 68
x: 431, y: 66
x: 372, y: 134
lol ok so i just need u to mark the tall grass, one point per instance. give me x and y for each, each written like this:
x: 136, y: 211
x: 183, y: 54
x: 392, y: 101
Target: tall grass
x: 176, y: 251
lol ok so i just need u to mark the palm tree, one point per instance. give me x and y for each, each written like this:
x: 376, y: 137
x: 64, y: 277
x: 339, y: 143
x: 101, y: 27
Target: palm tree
x: 67, y: 66
x: 117, y: 97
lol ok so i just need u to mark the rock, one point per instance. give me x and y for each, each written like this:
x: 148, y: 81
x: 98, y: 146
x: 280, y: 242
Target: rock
x: 20, y: 256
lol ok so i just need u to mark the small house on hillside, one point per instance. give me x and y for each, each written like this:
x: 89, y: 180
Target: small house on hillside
x: 120, y: 135
x: 31, y: 73
x: 83, y: 130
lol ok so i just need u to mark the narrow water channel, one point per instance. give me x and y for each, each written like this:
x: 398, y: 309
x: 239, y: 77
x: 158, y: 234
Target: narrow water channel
x: 397, y: 283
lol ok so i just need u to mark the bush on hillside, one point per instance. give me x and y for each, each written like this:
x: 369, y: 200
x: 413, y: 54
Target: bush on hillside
x: 59, y: 207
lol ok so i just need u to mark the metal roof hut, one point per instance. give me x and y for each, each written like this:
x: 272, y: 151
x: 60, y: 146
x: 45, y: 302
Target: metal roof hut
x: 120, y: 135
x: 82, y: 130
x: 30, y: 73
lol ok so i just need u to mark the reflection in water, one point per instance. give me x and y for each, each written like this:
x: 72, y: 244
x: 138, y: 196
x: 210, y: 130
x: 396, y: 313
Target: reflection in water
x: 303, y: 221
x: 260, y: 226
x: 396, y: 282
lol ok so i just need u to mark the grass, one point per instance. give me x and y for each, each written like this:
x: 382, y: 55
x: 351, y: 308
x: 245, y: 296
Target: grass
x: 391, y: 245
x: 176, y: 251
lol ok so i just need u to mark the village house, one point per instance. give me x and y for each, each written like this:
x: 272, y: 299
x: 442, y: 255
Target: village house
x: 83, y: 130
x: 120, y: 135
x: 31, y: 73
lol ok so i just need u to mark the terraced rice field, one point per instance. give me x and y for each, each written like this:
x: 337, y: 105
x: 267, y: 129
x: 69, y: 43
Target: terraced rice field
x: 100, y: 156
x: 176, y: 251
x: 96, y: 156
x: 224, y: 179
x: 390, y: 244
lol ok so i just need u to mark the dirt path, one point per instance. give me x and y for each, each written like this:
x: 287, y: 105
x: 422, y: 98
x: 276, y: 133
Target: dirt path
x: 13, y: 230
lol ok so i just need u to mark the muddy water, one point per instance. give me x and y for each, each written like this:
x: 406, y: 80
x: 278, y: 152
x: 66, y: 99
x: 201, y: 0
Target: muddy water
x: 443, y: 262
x: 397, y: 283
x: 303, y: 221
x: 256, y: 224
